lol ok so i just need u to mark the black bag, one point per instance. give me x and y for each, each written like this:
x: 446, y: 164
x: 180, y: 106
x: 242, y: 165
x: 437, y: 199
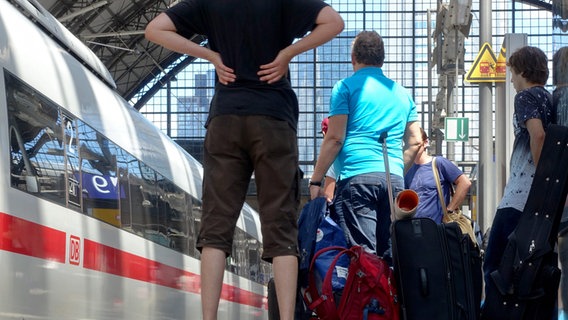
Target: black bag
x: 438, y: 270
x: 525, y: 286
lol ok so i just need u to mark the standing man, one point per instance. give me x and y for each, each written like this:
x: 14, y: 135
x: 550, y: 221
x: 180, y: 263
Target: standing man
x: 421, y: 179
x: 252, y: 124
x: 533, y: 113
x: 363, y: 106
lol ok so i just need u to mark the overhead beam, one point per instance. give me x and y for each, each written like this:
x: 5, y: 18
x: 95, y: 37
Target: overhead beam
x: 86, y: 9
x: 112, y: 34
x: 537, y: 3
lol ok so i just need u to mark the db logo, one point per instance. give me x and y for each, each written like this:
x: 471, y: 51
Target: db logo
x: 74, y: 250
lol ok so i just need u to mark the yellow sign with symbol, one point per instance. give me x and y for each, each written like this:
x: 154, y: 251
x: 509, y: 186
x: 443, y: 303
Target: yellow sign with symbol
x: 487, y: 67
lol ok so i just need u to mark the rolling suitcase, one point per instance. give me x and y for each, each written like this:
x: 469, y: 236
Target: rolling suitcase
x: 437, y: 268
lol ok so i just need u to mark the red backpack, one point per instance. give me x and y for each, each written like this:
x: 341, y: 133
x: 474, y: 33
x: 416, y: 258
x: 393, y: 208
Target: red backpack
x: 369, y: 293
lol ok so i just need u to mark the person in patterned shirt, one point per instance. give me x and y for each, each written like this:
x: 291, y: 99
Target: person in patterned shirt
x: 533, y: 113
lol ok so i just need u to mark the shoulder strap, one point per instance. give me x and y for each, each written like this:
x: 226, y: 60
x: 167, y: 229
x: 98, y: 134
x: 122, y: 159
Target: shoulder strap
x: 312, y: 296
x: 438, y: 186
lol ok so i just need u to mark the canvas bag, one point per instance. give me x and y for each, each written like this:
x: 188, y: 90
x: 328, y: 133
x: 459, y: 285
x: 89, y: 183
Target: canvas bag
x: 457, y: 216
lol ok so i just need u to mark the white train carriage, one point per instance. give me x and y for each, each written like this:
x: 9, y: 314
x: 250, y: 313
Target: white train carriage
x: 98, y: 208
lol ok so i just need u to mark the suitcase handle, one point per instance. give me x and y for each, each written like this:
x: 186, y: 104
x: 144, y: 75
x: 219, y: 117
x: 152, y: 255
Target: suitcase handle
x: 424, y: 282
x: 383, y: 141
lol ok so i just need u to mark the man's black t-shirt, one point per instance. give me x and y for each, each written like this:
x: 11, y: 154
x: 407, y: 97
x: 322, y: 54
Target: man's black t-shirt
x: 247, y: 34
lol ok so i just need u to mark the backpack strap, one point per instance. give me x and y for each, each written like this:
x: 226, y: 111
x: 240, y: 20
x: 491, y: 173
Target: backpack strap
x: 312, y: 297
x: 327, y: 288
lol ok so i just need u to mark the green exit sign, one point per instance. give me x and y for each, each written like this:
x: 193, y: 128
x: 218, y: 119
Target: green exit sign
x: 457, y: 129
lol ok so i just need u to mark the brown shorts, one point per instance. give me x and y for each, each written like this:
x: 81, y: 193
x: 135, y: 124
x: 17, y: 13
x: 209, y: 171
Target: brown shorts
x: 235, y: 147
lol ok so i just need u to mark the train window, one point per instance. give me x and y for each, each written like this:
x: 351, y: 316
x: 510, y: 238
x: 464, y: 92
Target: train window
x: 176, y: 220
x: 72, y: 166
x: 122, y: 159
x: 254, y: 250
x: 142, y: 186
x: 60, y: 158
x: 157, y: 228
x: 239, y: 253
x: 37, y: 140
x: 132, y: 202
x: 125, y: 202
x: 100, y: 184
x: 250, y: 224
x: 196, y: 210
x: 265, y: 272
x: 245, y: 259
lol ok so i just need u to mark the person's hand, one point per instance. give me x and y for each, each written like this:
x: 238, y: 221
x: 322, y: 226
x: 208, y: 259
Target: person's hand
x: 315, y: 191
x: 275, y: 70
x: 226, y: 75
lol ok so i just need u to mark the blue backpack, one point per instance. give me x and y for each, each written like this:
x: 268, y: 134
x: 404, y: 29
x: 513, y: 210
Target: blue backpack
x: 311, y: 217
x: 316, y: 231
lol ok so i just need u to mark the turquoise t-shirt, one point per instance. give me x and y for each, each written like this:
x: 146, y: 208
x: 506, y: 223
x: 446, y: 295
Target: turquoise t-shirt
x: 374, y: 104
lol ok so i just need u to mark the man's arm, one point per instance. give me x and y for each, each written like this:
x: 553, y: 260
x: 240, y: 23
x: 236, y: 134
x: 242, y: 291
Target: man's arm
x: 537, y: 134
x: 328, y: 25
x: 462, y: 187
x: 330, y: 147
x: 412, y: 140
x: 329, y: 187
x: 161, y: 30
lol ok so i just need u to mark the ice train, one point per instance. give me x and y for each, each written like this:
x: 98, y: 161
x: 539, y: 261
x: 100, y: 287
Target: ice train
x: 98, y: 208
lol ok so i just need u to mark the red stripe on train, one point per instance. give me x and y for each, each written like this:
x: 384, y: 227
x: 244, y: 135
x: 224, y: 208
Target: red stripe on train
x: 35, y: 240
x: 31, y: 239
x: 107, y: 259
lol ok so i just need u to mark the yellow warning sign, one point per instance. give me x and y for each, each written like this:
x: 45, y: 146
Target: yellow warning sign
x: 501, y: 69
x: 487, y: 67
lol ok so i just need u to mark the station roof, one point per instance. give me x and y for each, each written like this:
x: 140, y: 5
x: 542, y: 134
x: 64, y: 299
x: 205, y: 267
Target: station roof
x: 114, y: 30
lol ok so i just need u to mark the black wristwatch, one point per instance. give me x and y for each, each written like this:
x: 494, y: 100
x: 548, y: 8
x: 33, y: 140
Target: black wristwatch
x: 314, y: 183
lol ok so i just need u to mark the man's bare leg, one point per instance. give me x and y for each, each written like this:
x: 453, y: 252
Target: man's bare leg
x: 285, y: 270
x: 212, y: 270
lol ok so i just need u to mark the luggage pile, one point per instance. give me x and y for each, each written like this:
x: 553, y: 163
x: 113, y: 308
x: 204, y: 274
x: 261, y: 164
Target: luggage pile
x: 437, y: 271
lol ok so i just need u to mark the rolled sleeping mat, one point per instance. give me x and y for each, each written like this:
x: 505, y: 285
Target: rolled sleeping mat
x: 406, y: 203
